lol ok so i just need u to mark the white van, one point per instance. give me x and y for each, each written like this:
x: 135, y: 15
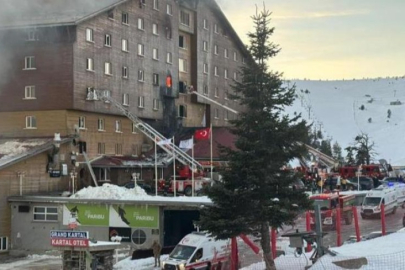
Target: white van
x: 198, y: 251
x: 371, y: 206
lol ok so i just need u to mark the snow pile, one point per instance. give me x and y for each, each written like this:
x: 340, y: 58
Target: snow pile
x: 128, y: 264
x: 43, y: 257
x: 334, y: 107
x: 108, y: 191
x: 113, y: 192
x: 16, y: 147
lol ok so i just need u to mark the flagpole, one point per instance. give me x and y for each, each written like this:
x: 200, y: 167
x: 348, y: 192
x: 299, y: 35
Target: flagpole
x: 211, y: 151
x: 156, y: 181
x: 174, y: 169
x: 192, y: 170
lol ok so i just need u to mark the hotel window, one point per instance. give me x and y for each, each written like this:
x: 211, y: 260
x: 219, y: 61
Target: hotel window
x: 89, y: 64
x: 182, y: 42
x: 118, y: 148
x: 141, y: 25
x: 155, y: 54
x: 169, y: 9
x: 156, y: 104
x: 216, y: 94
x: 134, y: 128
x: 125, y: 72
x: 141, y: 50
x: 125, y: 99
x: 169, y: 58
x: 142, y: 2
x: 89, y: 35
x: 182, y: 65
x: 107, y: 40
x: 124, y: 45
x: 125, y: 18
x: 155, y: 29
x: 141, y: 102
x: 43, y: 213
x: 235, y: 76
x: 30, y: 122
x: 216, y: 113
x: 205, y: 68
x: 168, y: 32
x: 107, y: 68
x: 29, y: 92
x: 3, y: 243
x: 118, y: 126
x: 216, y: 71
x: 110, y: 14
x: 107, y: 93
x: 32, y: 35
x: 243, y: 60
x: 100, y: 124
x: 82, y: 122
x: 155, y: 79
x: 101, y: 148
x: 156, y: 4
x: 182, y: 111
x: 235, y: 56
x: 205, y: 24
x: 216, y: 28
x: 141, y: 75
x: 216, y: 49
x: 205, y: 46
x: 184, y: 18
x: 226, y: 53
x: 205, y: 91
x: 225, y: 73
x: 29, y: 62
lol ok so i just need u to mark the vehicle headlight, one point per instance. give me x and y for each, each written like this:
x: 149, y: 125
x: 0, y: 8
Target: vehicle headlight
x: 163, y: 264
x: 182, y: 266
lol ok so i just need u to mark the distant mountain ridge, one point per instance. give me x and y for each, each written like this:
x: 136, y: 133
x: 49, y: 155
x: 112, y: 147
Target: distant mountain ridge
x: 335, y: 107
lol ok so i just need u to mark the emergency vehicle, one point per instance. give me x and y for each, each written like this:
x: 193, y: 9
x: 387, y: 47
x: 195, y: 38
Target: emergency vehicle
x: 329, y: 202
x: 198, y: 250
x: 371, y: 206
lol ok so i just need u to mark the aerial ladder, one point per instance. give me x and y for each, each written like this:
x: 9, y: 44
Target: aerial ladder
x: 324, y: 159
x: 150, y: 132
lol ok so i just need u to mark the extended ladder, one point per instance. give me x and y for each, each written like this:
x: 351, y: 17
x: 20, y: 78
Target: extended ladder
x: 93, y: 176
x: 149, y: 131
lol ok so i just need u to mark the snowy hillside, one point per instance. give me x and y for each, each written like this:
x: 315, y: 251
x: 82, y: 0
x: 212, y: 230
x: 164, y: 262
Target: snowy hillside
x: 334, y: 106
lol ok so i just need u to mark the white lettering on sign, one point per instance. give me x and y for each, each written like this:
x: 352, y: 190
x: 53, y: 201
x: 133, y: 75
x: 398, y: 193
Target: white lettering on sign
x: 145, y: 218
x: 95, y: 216
x: 69, y: 242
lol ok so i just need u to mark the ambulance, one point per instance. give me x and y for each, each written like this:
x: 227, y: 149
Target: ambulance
x: 198, y: 251
x: 371, y: 206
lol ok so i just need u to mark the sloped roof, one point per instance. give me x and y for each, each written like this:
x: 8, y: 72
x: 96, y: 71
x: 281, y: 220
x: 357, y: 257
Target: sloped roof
x: 15, y: 150
x: 20, y: 13
x: 163, y: 159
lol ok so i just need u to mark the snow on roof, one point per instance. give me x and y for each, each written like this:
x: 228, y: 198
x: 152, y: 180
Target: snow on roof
x: 13, y: 149
x: 113, y: 192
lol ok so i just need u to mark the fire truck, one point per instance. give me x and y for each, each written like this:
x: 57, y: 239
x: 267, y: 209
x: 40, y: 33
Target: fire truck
x: 329, y: 202
x: 184, y: 182
x: 371, y: 170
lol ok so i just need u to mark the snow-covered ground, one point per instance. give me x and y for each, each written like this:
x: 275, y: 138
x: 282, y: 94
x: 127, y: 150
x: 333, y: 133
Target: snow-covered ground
x: 334, y: 106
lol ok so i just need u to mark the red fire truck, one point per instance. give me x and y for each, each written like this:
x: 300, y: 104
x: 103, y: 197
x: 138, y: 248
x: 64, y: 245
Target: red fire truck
x: 329, y: 202
x: 370, y: 170
x: 184, y: 182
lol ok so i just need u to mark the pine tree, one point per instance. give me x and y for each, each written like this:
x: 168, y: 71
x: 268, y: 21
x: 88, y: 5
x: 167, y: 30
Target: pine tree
x: 337, y: 152
x: 350, y: 155
x: 254, y: 194
x: 364, y: 149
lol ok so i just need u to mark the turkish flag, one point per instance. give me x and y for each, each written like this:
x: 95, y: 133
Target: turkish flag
x: 202, y: 134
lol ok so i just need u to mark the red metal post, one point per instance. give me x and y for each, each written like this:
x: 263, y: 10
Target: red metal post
x: 273, y: 243
x: 338, y: 228
x: 356, y: 223
x: 234, y: 254
x: 383, y: 219
x: 308, y: 224
x: 250, y: 243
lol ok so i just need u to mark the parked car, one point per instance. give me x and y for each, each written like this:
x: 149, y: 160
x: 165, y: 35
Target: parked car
x: 148, y: 188
x: 366, y: 183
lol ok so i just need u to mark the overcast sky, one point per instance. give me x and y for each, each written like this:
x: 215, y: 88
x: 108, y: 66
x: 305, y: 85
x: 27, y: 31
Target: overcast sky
x: 330, y: 39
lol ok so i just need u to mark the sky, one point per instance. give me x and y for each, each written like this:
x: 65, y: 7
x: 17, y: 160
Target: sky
x: 325, y: 39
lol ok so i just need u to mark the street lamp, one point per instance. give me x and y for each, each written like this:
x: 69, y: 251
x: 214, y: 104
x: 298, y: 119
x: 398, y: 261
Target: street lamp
x: 73, y: 176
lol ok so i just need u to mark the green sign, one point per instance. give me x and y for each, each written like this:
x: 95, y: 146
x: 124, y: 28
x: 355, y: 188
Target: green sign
x: 138, y: 216
x: 90, y: 215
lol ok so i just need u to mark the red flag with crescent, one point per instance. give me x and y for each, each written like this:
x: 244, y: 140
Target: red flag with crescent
x: 202, y: 134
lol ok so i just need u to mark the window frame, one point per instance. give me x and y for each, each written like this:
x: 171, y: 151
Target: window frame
x: 82, y: 122
x: 141, y: 75
x: 118, y: 149
x: 118, y: 126
x: 205, y: 68
x: 141, y: 24
x: 216, y: 71
x: 183, y: 65
x: 125, y: 15
x: 29, y: 92
x: 184, y: 18
x: 45, y: 214
x: 3, y: 248
x: 124, y: 72
x: 216, y: 113
x: 125, y: 99
x: 216, y: 92
x: 184, y: 42
x: 235, y: 56
x: 107, y: 40
x: 89, y: 64
x: 216, y: 28
x: 141, y: 102
x: 124, y: 45
x: 225, y: 73
x: 155, y: 54
x: 101, y: 148
x: 101, y: 124
x: 155, y: 29
x: 169, y: 9
x: 205, y: 46
x: 156, y: 5
x: 90, y: 35
x: 205, y: 24
x: 156, y: 104
x: 155, y: 79
x: 141, y: 49
x: 226, y: 54
x: 29, y: 63
x: 216, y: 49
x: 183, y: 108
x: 108, y: 68
x: 30, y: 122
x: 169, y: 58
x: 205, y: 90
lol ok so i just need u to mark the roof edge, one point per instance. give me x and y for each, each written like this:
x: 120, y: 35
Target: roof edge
x: 92, y: 15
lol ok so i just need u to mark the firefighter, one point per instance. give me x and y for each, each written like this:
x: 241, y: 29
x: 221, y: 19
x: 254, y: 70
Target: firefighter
x: 320, y: 184
x: 343, y: 182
